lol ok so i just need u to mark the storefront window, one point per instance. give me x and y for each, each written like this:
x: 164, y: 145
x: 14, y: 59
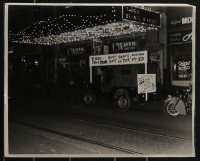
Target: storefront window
x: 181, y: 64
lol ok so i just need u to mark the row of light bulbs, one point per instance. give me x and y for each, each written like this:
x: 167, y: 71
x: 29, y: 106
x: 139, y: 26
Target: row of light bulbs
x: 64, y: 29
x: 114, y: 29
x: 64, y: 23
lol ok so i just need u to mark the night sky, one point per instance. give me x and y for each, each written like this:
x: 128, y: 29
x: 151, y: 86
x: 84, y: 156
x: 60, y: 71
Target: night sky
x: 23, y: 16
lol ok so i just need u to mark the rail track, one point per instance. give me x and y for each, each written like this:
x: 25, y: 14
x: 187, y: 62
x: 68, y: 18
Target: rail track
x: 124, y: 128
x: 87, y: 121
x: 116, y: 125
x: 120, y: 149
x: 97, y: 123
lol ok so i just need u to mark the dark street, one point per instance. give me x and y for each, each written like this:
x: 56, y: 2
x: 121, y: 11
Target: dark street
x: 73, y: 128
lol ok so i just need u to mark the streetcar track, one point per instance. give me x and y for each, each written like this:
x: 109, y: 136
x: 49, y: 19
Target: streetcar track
x: 122, y: 127
x: 126, y: 128
x: 129, y: 151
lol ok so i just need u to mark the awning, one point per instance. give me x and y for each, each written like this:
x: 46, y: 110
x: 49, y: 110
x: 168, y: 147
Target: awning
x: 88, y: 22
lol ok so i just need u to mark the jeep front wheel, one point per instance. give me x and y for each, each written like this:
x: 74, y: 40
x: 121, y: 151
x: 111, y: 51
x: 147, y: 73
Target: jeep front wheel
x: 123, y: 102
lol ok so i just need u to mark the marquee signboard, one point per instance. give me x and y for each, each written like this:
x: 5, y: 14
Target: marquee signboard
x: 139, y: 57
x: 142, y: 16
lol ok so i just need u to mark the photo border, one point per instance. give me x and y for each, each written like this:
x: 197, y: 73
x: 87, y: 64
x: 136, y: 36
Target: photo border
x: 6, y: 140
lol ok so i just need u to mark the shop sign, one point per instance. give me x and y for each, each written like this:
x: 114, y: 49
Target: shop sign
x: 183, y: 69
x: 124, y: 46
x: 180, y: 22
x: 141, y: 15
x: 119, y: 59
x: 181, y: 36
x: 146, y: 83
x: 75, y: 51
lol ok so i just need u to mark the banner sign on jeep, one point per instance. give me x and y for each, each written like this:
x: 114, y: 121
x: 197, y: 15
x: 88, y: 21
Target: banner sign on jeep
x: 139, y: 57
x: 146, y: 83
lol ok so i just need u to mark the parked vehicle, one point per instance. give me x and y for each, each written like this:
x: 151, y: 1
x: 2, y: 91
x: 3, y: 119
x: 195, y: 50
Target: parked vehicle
x: 179, y: 104
x: 118, y: 84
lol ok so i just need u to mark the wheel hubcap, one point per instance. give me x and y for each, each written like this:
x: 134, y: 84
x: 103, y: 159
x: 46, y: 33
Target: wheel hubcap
x: 172, y: 110
x: 122, y: 102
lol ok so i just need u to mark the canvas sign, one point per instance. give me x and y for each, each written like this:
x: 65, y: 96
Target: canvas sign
x: 146, y: 83
x: 139, y: 57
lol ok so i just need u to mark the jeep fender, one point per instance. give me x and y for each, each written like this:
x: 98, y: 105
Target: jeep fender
x: 121, y: 91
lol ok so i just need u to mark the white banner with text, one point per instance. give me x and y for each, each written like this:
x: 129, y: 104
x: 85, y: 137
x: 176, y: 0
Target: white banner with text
x: 139, y: 57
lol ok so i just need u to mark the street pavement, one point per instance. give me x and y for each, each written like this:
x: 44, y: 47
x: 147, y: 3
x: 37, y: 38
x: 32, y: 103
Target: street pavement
x: 146, y: 131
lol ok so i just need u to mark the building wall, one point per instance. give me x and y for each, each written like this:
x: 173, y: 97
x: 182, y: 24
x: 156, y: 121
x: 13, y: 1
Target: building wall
x: 179, y: 49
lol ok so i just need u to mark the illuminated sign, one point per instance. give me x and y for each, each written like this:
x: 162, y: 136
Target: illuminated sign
x: 181, y: 36
x: 186, y: 20
x: 180, y: 22
x: 141, y: 15
x: 183, y: 69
